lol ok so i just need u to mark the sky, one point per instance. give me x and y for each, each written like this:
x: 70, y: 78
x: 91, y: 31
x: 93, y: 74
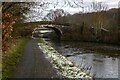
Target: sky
x: 61, y: 5
x: 110, y: 3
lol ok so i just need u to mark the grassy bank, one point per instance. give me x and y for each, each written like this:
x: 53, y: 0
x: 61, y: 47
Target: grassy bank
x: 12, y: 56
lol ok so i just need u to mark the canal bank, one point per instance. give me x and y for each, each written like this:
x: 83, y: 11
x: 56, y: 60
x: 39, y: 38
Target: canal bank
x: 64, y: 66
x: 103, y: 59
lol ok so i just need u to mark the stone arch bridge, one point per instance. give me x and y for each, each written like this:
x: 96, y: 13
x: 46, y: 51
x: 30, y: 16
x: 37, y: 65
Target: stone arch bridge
x: 57, y: 27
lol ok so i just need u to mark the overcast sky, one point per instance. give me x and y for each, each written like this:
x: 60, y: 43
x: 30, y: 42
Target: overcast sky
x: 38, y: 13
x: 61, y: 5
x: 110, y: 3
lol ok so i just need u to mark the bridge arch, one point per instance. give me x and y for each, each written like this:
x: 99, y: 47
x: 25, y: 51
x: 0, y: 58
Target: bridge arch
x: 57, y: 31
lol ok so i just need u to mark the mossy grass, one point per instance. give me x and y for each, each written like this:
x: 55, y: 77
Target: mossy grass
x: 12, y: 57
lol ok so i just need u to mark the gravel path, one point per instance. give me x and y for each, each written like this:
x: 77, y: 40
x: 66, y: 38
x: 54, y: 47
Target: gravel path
x: 33, y: 63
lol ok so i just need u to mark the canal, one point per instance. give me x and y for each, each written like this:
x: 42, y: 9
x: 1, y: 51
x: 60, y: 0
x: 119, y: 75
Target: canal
x: 99, y: 60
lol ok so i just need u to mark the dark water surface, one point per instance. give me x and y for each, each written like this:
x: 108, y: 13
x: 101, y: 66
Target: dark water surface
x: 100, y: 60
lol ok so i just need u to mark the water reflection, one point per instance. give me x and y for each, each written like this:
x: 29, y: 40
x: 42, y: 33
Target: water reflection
x: 104, y: 64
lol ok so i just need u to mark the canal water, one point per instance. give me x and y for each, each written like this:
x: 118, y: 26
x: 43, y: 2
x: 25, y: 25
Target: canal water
x: 99, y: 60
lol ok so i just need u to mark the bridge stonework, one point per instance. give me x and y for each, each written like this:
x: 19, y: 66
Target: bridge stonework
x: 60, y: 29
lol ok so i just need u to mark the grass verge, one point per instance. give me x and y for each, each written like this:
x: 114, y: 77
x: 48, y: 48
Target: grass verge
x: 12, y: 57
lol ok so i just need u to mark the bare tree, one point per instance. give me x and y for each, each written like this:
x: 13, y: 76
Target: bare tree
x: 119, y: 4
x: 55, y: 15
x: 118, y: 20
x: 119, y: 13
x: 99, y: 18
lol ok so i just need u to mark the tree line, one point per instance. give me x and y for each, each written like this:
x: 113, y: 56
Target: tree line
x: 100, y: 25
x: 17, y: 12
